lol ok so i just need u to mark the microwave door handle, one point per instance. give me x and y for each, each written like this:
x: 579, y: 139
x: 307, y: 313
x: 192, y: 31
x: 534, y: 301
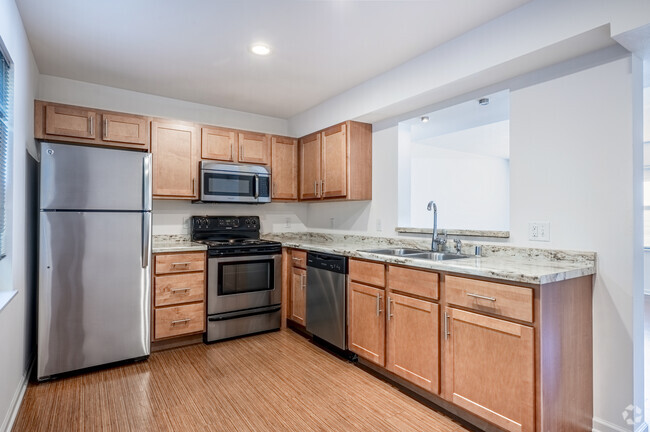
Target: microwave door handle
x: 257, y: 186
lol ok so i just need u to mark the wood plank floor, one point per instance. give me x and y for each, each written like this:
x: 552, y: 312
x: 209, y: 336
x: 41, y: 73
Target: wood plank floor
x: 271, y: 382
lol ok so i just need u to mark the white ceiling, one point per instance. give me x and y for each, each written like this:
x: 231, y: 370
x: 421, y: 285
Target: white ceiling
x: 197, y: 50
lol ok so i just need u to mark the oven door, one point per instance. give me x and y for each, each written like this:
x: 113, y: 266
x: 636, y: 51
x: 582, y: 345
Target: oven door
x: 243, y: 282
x: 232, y: 186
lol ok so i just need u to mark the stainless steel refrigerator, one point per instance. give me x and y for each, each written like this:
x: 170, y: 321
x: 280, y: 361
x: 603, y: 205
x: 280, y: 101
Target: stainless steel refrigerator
x: 94, y: 256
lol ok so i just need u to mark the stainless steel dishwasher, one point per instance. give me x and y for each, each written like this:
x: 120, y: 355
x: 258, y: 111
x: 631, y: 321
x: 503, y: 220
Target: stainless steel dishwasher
x: 326, y: 297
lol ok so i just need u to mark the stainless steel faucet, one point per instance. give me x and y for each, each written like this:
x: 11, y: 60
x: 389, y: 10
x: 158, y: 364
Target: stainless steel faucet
x: 436, y: 240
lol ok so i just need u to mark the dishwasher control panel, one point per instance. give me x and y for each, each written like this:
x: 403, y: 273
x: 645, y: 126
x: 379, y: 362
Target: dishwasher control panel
x: 328, y: 262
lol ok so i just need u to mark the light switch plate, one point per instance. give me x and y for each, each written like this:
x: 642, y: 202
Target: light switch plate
x: 539, y: 231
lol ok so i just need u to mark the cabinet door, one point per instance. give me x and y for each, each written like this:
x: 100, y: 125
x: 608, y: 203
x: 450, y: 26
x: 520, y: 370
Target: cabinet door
x: 70, y: 122
x: 335, y: 157
x: 310, y: 164
x: 253, y: 148
x: 298, y: 286
x: 125, y: 129
x: 218, y: 144
x: 413, y: 340
x: 489, y: 369
x: 284, y: 168
x: 174, y: 152
x: 366, y: 322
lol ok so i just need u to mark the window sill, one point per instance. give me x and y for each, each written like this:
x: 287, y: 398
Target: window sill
x: 5, y: 298
x: 455, y: 232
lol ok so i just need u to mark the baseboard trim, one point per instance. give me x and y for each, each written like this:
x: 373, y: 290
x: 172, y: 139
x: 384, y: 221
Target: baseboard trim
x: 600, y: 425
x: 17, y: 400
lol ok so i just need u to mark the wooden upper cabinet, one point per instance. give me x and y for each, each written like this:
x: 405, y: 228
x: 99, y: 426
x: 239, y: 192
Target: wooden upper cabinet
x: 413, y: 341
x: 218, y: 144
x: 174, y: 149
x: 334, y: 169
x: 70, y: 121
x: 366, y: 322
x: 253, y: 148
x: 284, y: 168
x: 344, y: 168
x: 130, y: 129
x: 73, y: 124
x: 310, y: 167
x: 490, y: 369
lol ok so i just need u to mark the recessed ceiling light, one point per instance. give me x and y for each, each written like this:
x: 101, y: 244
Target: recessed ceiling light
x: 260, y: 49
x: 424, y: 119
x: 484, y: 101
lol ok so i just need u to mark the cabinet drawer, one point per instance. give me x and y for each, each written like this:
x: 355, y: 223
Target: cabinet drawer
x: 411, y: 281
x: 178, y: 289
x: 299, y: 258
x: 367, y: 272
x: 179, y: 263
x: 506, y: 300
x: 179, y: 320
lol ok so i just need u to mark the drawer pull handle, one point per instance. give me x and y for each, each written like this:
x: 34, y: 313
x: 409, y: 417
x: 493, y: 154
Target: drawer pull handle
x: 297, y: 259
x: 180, y: 321
x: 482, y: 297
x: 175, y: 290
x: 181, y: 264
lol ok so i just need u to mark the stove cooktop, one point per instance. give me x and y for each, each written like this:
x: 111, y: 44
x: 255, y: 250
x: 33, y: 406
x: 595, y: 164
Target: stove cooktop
x: 232, y: 235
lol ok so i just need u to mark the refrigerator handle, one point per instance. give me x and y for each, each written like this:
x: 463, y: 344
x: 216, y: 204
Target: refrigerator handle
x: 146, y: 238
x: 146, y: 182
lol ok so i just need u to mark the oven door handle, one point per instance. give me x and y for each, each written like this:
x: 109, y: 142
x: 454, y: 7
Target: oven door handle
x: 243, y: 314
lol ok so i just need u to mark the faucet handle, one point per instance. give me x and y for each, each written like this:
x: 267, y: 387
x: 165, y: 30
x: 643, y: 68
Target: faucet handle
x: 458, y: 243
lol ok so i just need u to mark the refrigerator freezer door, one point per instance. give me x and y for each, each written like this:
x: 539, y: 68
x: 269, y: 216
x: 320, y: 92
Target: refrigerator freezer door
x: 88, y: 178
x: 94, y: 299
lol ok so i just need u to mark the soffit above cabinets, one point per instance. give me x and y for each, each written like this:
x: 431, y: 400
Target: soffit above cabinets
x: 198, y: 51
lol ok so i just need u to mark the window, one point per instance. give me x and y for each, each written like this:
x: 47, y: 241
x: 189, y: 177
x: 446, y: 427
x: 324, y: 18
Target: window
x: 5, y: 129
x: 458, y: 157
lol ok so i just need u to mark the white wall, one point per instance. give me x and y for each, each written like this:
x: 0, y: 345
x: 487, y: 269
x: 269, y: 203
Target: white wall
x: 574, y: 144
x: 16, y: 271
x: 471, y: 191
x: 55, y: 89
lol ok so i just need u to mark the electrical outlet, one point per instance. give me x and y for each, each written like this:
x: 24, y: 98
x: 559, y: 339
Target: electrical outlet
x: 539, y: 231
x: 287, y: 223
x: 331, y: 222
x: 378, y: 225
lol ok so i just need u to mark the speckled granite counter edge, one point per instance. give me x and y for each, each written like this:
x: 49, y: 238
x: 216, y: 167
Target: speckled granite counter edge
x: 175, y: 243
x: 525, y: 265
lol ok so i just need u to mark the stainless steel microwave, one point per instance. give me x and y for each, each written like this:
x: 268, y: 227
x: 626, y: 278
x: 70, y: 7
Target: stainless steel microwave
x: 222, y: 182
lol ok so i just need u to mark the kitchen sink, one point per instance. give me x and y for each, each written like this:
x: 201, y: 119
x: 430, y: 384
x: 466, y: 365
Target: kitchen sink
x: 417, y: 253
x: 438, y: 256
x: 396, y: 251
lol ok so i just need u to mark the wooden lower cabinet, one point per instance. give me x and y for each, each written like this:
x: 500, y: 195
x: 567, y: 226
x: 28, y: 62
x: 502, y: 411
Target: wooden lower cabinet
x: 366, y: 322
x: 490, y: 369
x: 178, y: 294
x: 413, y: 349
x: 179, y: 320
x: 298, y: 295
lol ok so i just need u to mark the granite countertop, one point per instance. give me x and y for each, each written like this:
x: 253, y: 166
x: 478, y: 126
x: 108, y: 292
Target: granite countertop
x: 515, y: 264
x: 175, y: 243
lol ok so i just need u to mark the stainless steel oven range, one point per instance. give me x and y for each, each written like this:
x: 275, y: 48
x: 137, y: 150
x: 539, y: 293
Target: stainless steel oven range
x: 244, y: 276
